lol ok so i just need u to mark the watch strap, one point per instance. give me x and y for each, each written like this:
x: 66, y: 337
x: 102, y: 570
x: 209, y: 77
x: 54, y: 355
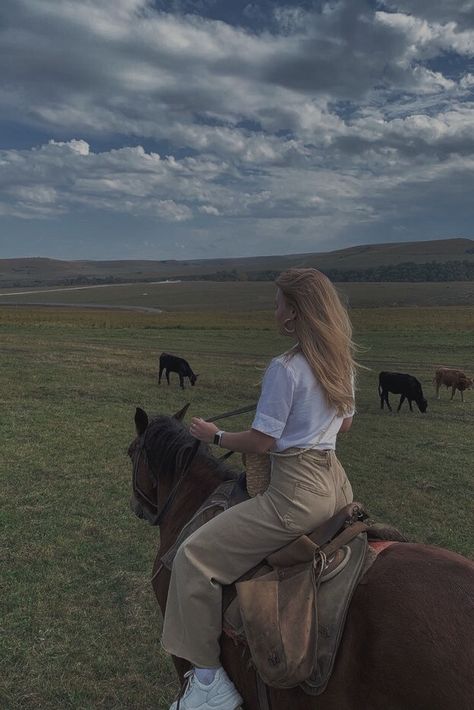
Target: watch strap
x: 218, y: 437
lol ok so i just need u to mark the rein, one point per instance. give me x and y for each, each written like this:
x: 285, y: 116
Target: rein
x: 242, y: 410
x: 174, y: 491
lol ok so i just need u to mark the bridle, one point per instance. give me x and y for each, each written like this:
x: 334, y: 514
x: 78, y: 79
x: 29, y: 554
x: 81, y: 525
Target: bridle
x: 156, y: 518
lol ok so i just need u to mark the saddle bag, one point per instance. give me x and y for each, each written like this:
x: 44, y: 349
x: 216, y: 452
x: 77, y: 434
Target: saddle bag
x: 284, y: 652
x: 280, y: 610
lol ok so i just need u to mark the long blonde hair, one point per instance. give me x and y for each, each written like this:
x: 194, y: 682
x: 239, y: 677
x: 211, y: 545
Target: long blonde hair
x: 324, y: 333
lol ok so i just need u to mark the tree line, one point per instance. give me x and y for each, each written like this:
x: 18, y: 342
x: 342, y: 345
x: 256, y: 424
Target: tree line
x: 406, y: 271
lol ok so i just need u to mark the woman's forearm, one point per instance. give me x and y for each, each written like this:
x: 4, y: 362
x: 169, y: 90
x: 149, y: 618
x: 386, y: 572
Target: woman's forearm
x: 346, y: 425
x: 247, y: 442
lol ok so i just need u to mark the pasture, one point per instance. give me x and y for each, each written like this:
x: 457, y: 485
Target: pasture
x: 238, y: 296
x: 80, y: 625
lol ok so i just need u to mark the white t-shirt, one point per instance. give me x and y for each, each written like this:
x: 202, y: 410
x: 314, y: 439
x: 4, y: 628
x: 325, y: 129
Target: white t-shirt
x: 293, y: 408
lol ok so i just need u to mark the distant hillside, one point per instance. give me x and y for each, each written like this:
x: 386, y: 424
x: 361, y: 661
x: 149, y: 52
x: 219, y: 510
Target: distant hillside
x: 437, y: 260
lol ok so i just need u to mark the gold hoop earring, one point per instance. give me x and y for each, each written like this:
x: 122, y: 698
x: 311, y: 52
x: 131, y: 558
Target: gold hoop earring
x: 286, y: 329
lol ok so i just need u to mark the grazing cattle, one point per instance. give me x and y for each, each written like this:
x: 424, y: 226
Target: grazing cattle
x: 456, y: 379
x: 172, y: 363
x: 405, y: 385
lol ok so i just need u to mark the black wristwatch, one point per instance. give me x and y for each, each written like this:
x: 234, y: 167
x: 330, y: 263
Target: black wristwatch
x: 218, y: 437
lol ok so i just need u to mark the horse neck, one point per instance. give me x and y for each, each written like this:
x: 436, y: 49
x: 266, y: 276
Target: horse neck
x: 198, y: 484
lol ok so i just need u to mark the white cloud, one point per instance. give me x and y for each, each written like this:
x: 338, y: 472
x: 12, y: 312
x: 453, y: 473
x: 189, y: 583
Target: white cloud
x: 63, y: 176
x: 209, y: 209
x: 126, y: 68
x: 459, y: 11
x: 312, y: 123
x: 58, y: 178
x: 426, y: 39
x: 169, y: 209
x: 75, y: 146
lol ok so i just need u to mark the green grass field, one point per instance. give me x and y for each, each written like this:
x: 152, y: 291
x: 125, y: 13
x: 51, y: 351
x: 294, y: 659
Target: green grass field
x: 191, y: 296
x: 80, y: 625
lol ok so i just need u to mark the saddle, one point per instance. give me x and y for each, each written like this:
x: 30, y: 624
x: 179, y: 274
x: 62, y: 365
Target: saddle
x: 290, y: 609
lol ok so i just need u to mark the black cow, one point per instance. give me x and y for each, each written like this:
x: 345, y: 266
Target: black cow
x: 172, y: 363
x: 405, y: 385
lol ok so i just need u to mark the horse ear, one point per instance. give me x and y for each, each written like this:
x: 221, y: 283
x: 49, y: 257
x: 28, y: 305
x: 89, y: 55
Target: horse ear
x: 141, y: 420
x: 180, y: 415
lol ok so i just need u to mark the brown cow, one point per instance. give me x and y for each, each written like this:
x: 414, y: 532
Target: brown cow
x: 456, y: 379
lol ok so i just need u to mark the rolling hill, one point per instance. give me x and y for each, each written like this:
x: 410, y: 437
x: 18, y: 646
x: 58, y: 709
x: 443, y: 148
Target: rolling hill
x: 36, y: 271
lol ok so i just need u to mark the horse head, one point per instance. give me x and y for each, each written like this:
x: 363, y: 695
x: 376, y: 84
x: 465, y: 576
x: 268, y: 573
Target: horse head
x: 161, y: 447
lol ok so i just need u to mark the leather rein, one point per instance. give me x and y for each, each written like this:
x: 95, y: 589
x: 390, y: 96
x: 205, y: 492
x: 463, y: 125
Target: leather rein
x: 159, y: 516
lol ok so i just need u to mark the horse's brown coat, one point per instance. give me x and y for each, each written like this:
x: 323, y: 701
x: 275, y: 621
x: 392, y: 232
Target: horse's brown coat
x: 407, y: 644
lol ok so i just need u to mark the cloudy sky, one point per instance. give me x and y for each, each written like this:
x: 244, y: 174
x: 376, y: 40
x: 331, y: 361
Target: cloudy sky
x: 201, y: 128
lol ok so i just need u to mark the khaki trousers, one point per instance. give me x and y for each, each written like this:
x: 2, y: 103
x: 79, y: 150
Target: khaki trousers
x: 305, y: 490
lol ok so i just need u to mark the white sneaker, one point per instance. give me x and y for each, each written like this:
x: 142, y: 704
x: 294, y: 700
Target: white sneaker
x: 221, y: 694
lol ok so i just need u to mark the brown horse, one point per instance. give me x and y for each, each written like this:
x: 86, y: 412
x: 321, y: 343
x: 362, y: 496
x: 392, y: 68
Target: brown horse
x: 407, y: 643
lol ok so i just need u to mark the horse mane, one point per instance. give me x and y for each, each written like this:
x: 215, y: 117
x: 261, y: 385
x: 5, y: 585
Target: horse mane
x: 170, y: 448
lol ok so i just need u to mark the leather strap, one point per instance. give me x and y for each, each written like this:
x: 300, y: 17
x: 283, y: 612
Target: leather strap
x: 241, y: 410
x: 262, y: 693
x: 343, y: 538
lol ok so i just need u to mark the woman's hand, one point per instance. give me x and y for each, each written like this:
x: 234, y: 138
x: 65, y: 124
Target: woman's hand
x: 204, y: 431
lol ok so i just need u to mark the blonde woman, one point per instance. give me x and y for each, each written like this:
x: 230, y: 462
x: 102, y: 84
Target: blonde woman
x: 307, y: 398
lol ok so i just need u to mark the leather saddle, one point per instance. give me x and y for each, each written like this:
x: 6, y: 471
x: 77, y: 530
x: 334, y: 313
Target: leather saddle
x: 304, y: 548
x: 319, y: 572
x: 290, y: 611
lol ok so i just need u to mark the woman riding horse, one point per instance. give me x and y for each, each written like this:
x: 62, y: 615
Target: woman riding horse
x: 307, y: 398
